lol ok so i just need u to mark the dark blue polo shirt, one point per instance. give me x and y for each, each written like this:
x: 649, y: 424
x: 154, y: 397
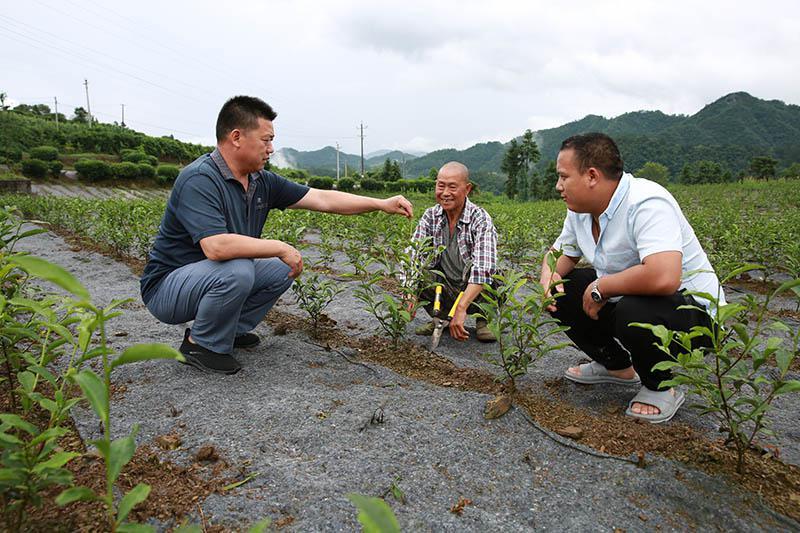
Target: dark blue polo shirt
x: 208, y: 200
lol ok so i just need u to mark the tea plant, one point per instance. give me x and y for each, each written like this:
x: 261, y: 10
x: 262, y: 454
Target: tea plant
x: 314, y: 293
x: 730, y: 375
x: 31, y: 460
x: 374, y: 514
x: 395, y: 311
x: 34, y: 335
x: 520, y: 322
x: 118, y: 452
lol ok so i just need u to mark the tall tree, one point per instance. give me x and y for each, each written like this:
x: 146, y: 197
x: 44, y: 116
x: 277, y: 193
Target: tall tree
x: 654, y: 172
x: 763, y: 167
x: 529, y: 182
x: 511, y: 166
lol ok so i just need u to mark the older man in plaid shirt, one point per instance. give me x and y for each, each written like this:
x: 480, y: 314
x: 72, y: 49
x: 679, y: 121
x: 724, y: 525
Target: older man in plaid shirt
x: 470, y: 255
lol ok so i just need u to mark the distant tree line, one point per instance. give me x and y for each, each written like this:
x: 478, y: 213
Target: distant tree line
x: 28, y: 126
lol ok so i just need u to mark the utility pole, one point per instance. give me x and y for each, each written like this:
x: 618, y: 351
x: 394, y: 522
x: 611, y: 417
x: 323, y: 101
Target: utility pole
x: 88, y: 108
x: 55, y: 101
x: 345, y: 168
x: 362, y: 150
x: 123, y: 114
x: 337, y: 161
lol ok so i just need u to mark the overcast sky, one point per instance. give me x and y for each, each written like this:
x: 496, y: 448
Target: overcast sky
x: 420, y: 75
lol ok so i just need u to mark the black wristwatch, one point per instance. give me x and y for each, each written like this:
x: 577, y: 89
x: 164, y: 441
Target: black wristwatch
x: 596, y: 296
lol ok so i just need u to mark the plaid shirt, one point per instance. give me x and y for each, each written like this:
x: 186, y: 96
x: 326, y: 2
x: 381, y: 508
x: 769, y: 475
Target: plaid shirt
x: 477, y: 238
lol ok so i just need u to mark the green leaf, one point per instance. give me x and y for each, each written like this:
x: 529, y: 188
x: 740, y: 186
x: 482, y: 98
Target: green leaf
x: 791, y: 284
x: 17, y: 422
x: 789, y: 386
x: 741, y: 270
x: 129, y: 527
x: 260, y: 526
x: 9, y: 439
x: 188, y: 528
x: 76, y: 494
x: 135, y: 496
x: 120, y: 453
x: 784, y: 358
x: 56, y: 461
x: 40, y: 268
x: 48, y: 434
x: 374, y: 514
x: 95, y: 391
x: 144, y: 352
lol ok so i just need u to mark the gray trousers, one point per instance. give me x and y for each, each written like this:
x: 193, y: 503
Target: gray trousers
x: 224, y: 298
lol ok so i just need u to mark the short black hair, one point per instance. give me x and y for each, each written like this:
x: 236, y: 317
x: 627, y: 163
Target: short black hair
x: 596, y: 150
x: 242, y: 112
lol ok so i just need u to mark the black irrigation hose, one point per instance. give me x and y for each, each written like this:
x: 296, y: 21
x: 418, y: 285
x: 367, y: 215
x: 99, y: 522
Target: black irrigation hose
x: 639, y: 462
x: 344, y: 356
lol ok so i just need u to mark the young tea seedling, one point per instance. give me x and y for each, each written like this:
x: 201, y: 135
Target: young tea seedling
x: 726, y: 364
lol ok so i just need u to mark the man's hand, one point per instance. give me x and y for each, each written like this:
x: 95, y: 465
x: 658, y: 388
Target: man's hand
x: 457, y: 330
x: 559, y: 289
x: 590, y: 307
x: 398, y: 205
x: 293, y: 259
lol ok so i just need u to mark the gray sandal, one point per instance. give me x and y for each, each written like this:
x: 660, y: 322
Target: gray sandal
x: 594, y: 372
x: 663, y: 400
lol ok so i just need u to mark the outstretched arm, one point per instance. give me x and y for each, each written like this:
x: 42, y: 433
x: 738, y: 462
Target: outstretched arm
x: 343, y: 203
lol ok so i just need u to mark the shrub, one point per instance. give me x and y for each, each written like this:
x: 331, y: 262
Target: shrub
x: 425, y: 184
x: 94, y: 170
x: 146, y: 171
x: 125, y: 170
x: 12, y: 155
x: 394, y: 186
x: 167, y: 173
x: 369, y: 184
x: 45, y: 153
x: 792, y: 171
x: 346, y: 184
x: 320, y: 182
x: 55, y: 168
x: 35, y: 168
x: 137, y: 156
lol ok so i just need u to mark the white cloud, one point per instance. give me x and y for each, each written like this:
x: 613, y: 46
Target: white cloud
x: 421, y: 75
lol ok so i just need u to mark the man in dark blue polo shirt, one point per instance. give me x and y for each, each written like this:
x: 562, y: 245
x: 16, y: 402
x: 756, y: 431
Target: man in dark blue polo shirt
x: 209, y: 263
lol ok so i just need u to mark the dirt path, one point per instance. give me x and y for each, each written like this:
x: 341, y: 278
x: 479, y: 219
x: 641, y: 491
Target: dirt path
x: 299, y: 416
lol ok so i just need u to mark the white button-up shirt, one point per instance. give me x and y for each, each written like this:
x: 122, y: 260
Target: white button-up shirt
x: 641, y: 219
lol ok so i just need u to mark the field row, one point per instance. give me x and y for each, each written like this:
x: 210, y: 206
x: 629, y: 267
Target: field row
x: 745, y: 222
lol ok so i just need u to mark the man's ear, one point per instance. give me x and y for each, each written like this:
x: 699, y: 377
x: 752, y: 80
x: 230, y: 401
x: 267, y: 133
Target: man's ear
x: 594, y: 176
x: 235, y: 136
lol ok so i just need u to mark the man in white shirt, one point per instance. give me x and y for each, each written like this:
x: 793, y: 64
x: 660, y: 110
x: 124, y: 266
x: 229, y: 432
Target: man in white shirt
x: 641, y: 248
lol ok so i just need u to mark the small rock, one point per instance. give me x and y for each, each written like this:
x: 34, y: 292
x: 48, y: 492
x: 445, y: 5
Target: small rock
x: 207, y: 453
x: 497, y: 407
x: 349, y: 352
x: 571, y: 432
x: 121, y: 334
x: 168, y: 442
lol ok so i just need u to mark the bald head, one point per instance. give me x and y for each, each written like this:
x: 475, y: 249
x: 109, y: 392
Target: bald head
x: 454, y: 170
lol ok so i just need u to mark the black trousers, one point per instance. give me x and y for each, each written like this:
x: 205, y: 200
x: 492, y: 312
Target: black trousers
x: 611, y: 341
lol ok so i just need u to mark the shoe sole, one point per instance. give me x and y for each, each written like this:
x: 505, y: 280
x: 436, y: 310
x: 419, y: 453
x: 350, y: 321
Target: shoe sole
x: 248, y: 345
x: 596, y: 380
x: 646, y: 418
x: 191, y: 361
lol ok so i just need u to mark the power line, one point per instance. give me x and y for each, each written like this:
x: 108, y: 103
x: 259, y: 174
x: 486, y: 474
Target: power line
x: 138, y: 41
x: 39, y: 31
x: 70, y: 55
